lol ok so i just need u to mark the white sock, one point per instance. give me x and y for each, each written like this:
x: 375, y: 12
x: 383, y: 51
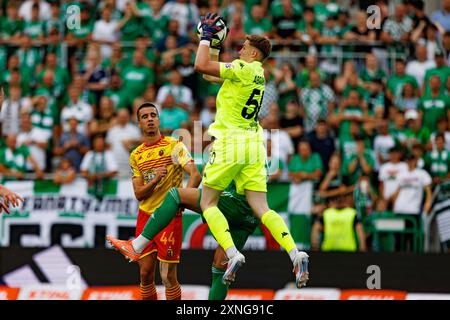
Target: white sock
x: 231, y: 252
x: 139, y: 243
x: 292, y: 254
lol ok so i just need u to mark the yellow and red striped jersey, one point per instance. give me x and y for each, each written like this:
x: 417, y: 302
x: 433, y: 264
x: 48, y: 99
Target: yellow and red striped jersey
x: 167, y: 152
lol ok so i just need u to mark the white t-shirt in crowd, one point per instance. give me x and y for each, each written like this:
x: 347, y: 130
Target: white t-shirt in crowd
x: 186, y: 13
x: 44, y: 10
x: 381, y: 145
x: 418, y: 69
x: 37, y: 135
x: 282, y: 145
x: 105, y: 31
x: 181, y: 94
x: 81, y: 111
x: 115, y: 137
x: 411, y: 184
x: 10, y: 115
x: 388, y: 174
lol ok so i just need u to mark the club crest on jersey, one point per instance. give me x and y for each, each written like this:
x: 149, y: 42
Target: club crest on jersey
x: 169, y: 253
x: 161, y: 153
x: 229, y: 65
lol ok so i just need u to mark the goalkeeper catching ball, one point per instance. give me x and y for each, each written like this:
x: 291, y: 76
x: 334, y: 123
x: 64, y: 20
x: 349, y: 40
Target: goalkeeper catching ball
x: 238, y: 153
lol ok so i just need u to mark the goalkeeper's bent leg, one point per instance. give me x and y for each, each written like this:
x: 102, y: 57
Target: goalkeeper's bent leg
x: 158, y: 220
x: 220, y: 229
x: 279, y: 231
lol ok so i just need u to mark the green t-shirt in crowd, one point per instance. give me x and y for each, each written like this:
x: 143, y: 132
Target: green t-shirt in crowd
x: 313, y: 163
x: 433, y: 109
x: 15, y: 160
x: 353, y: 177
x: 344, y: 126
x: 9, y: 28
x: 438, y: 163
x: 395, y: 83
x: 132, y: 29
x: 172, y: 119
x: 302, y: 77
x: 422, y: 136
x: 34, y: 29
x: 258, y: 28
x: 368, y: 76
x: 136, y: 79
x: 84, y: 31
x: 30, y: 58
x: 363, y: 93
x: 443, y: 73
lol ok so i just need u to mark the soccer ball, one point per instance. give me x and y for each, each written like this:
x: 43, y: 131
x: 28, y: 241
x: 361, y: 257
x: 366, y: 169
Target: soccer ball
x: 219, y: 37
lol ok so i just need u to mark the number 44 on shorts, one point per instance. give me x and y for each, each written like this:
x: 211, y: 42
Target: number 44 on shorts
x: 170, y: 239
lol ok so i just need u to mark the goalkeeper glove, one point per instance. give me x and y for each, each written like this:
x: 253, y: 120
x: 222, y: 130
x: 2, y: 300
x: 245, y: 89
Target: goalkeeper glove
x: 209, y: 27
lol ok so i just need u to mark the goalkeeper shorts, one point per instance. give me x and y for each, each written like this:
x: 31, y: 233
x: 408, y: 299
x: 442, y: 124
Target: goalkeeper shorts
x: 244, y: 162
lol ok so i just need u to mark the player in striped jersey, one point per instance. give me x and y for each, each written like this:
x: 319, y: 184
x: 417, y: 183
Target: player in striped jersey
x: 158, y: 166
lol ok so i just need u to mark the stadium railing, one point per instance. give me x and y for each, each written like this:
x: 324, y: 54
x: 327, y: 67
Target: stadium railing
x: 384, y: 226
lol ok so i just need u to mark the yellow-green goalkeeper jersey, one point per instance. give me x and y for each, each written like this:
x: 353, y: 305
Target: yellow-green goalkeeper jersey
x: 239, y: 100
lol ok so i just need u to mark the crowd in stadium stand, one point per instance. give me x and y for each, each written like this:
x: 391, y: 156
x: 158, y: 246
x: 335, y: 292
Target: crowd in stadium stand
x: 366, y: 125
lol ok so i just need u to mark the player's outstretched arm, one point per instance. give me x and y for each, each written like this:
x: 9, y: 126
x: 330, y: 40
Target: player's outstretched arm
x: 214, y: 56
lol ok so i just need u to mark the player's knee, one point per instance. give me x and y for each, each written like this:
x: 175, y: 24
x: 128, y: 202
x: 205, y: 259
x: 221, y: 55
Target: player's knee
x: 205, y: 204
x: 259, y: 209
x: 147, y: 276
x: 169, y: 279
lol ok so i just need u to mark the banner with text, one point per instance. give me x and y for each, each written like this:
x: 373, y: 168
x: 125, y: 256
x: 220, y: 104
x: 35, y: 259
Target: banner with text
x: 71, y: 217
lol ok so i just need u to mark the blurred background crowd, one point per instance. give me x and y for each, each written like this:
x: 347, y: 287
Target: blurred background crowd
x: 354, y: 102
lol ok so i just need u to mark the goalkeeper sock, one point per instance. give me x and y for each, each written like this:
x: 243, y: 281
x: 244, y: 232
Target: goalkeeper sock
x: 218, y: 290
x: 219, y: 228
x: 279, y: 230
x: 158, y: 220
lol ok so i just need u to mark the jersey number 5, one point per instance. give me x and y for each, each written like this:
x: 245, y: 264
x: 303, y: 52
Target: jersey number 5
x: 253, y: 102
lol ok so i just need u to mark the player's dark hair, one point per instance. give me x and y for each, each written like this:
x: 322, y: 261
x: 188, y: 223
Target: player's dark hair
x: 146, y: 105
x: 261, y: 43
